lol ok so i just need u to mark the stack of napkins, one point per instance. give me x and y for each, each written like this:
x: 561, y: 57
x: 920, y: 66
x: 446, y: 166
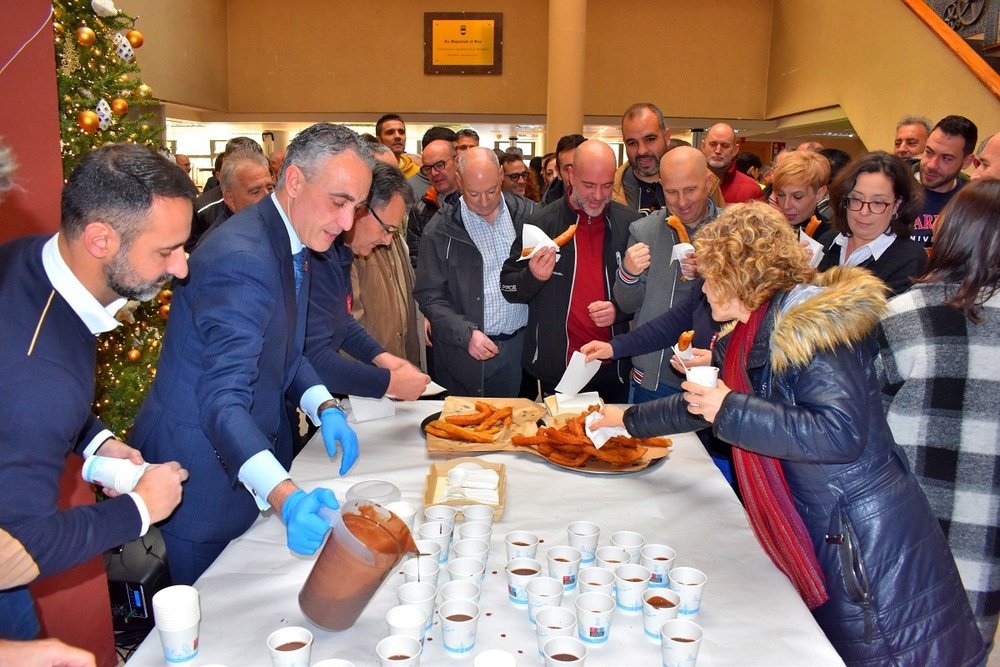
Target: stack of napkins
x: 471, y: 482
x: 578, y: 373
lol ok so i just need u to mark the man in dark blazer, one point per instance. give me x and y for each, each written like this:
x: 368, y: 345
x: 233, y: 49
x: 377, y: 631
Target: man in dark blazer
x: 232, y: 353
x: 126, y: 213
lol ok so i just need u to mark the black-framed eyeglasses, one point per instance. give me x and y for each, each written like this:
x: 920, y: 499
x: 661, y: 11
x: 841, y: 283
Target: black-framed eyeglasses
x: 874, y: 207
x: 365, y: 209
x: 437, y: 166
x: 523, y: 176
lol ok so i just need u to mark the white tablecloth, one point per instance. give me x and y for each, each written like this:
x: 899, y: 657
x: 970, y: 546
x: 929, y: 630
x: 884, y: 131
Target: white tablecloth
x: 751, y: 614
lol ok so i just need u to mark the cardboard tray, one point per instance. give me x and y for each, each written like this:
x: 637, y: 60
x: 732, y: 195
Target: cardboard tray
x: 437, y: 483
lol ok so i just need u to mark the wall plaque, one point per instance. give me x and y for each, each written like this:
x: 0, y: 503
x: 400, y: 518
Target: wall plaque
x: 463, y: 43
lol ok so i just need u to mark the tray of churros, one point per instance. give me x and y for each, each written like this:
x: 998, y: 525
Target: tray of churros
x: 479, y: 425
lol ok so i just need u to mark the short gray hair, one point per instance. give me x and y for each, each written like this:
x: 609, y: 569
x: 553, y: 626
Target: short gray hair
x: 915, y: 119
x: 320, y: 141
x: 464, y: 156
x: 235, y: 160
x: 379, y: 149
x: 387, y: 182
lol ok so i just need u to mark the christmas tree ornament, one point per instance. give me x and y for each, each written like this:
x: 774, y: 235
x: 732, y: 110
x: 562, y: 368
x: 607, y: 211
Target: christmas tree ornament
x: 122, y: 46
x: 165, y: 311
x: 144, y: 91
x: 104, y: 114
x: 88, y: 121
x: 85, y: 36
x: 119, y: 106
x: 165, y: 296
x: 58, y: 28
x: 104, y: 8
x: 134, y: 355
x: 135, y: 38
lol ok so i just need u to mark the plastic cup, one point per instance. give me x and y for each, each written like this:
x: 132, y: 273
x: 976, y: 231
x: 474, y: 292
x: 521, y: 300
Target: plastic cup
x: 519, y: 572
x: 467, y: 569
x: 593, y: 617
x: 630, y: 541
x: 658, y: 559
x: 405, y: 511
x: 560, y: 651
x: 611, y: 557
x: 476, y: 531
x: 290, y: 647
x: 680, y: 640
x: 119, y: 474
x: 398, y: 651
x: 443, y: 513
x: 521, y: 544
x: 429, y: 549
x: 478, y: 514
x: 421, y: 569
x: 583, y: 535
x: 689, y: 583
x: 554, y: 622
x: 439, y: 533
x: 420, y: 594
x: 459, y: 619
x: 472, y: 549
x: 564, y: 565
x: 460, y: 590
x: 658, y: 607
x: 631, y: 581
x: 177, y: 611
x: 596, y: 580
x: 408, y: 620
x: 543, y: 592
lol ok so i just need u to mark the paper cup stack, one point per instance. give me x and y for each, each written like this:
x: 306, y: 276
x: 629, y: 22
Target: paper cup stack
x: 178, y: 616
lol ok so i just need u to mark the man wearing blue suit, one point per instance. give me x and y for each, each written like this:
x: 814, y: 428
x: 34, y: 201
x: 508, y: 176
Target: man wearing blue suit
x: 232, y: 353
x: 126, y: 213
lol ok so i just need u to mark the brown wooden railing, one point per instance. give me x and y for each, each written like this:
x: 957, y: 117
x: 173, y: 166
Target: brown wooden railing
x: 986, y: 75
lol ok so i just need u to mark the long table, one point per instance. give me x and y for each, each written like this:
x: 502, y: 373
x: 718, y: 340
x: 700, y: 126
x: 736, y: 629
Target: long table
x: 751, y: 614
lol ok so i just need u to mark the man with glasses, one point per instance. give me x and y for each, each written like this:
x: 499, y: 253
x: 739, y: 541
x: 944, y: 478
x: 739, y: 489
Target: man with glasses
x: 330, y: 328
x: 515, y: 174
x: 478, y: 335
x: 440, y: 170
x: 949, y: 150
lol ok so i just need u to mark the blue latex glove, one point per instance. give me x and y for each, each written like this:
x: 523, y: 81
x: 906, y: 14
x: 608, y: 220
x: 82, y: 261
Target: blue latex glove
x: 335, y: 429
x: 304, y: 528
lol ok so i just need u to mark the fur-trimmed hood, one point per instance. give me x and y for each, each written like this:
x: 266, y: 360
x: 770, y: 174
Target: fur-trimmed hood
x: 844, y: 313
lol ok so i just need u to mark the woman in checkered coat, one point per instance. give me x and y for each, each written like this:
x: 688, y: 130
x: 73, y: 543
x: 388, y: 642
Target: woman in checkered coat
x: 940, y: 374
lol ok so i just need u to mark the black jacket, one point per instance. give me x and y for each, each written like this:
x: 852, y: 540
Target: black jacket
x: 898, y: 265
x: 420, y: 215
x: 546, y: 340
x: 449, y: 290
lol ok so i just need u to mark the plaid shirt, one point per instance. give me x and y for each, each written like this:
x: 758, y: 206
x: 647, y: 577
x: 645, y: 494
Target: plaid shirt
x: 940, y: 378
x: 494, y: 241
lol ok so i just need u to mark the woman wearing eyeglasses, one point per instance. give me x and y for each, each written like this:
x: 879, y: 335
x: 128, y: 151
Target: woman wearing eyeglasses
x: 875, y: 200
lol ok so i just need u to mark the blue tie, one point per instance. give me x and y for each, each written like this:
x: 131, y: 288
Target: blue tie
x: 300, y: 267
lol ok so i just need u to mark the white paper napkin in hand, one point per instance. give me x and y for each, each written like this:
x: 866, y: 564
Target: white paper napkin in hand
x: 532, y: 236
x: 680, y: 251
x: 578, y: 373
x: 684, y: 354
x: 815, y: 246
x: 432, y: 389
x: 366, y: 409
x: 601, y: 435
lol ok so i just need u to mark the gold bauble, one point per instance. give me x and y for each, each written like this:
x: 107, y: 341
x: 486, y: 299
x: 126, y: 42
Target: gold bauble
x: 119, y: 106
x: 58, y: 12
x: 68, y: 99
x: 165, y: 311
x: 85, y: 36
x: 165, y: 296
x: 134, y: 355
x: 58, y: 28
x: 88, y: 121
x: 134, y: 38
x: 97, y: 52
x: 144, y: 127
x: 144, y: 91
x: 123, y: 78
x: 153, y: 344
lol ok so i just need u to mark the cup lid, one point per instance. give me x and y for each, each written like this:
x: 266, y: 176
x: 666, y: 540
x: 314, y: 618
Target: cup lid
x: 375, y: 490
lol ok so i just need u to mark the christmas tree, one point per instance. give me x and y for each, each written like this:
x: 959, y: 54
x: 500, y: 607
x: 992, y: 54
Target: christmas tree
x: 98, y: 81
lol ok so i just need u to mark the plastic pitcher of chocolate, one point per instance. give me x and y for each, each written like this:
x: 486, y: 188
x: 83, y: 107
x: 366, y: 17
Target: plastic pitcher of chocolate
x: 366, y: 542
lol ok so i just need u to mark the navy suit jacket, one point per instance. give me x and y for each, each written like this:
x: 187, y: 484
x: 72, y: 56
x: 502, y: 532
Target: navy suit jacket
x: 47, y: 363
x: 232, y: 354
x: 332, y: 328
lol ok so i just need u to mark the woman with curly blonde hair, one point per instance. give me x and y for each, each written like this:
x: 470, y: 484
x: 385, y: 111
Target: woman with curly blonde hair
x: 826, y: 489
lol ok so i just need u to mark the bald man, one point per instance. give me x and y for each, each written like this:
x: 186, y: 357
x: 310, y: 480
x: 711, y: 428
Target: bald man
x: 569, y: 296
x: 648, y: 283
x: 478, y: 335
x: 988, y: 159
x: 720, y: 148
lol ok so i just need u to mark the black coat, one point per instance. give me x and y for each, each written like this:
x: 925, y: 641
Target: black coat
x: 816, y: 406
x: 898, y: 265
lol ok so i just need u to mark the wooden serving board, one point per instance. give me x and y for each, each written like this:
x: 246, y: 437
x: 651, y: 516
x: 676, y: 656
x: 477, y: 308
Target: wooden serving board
x: 525, y: 418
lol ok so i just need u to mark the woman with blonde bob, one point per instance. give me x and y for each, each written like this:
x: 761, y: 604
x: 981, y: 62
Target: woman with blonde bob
x: 826, y: 488
x: 799, y: 186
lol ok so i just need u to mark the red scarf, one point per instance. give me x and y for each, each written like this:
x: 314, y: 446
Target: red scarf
x: 767, y: 500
